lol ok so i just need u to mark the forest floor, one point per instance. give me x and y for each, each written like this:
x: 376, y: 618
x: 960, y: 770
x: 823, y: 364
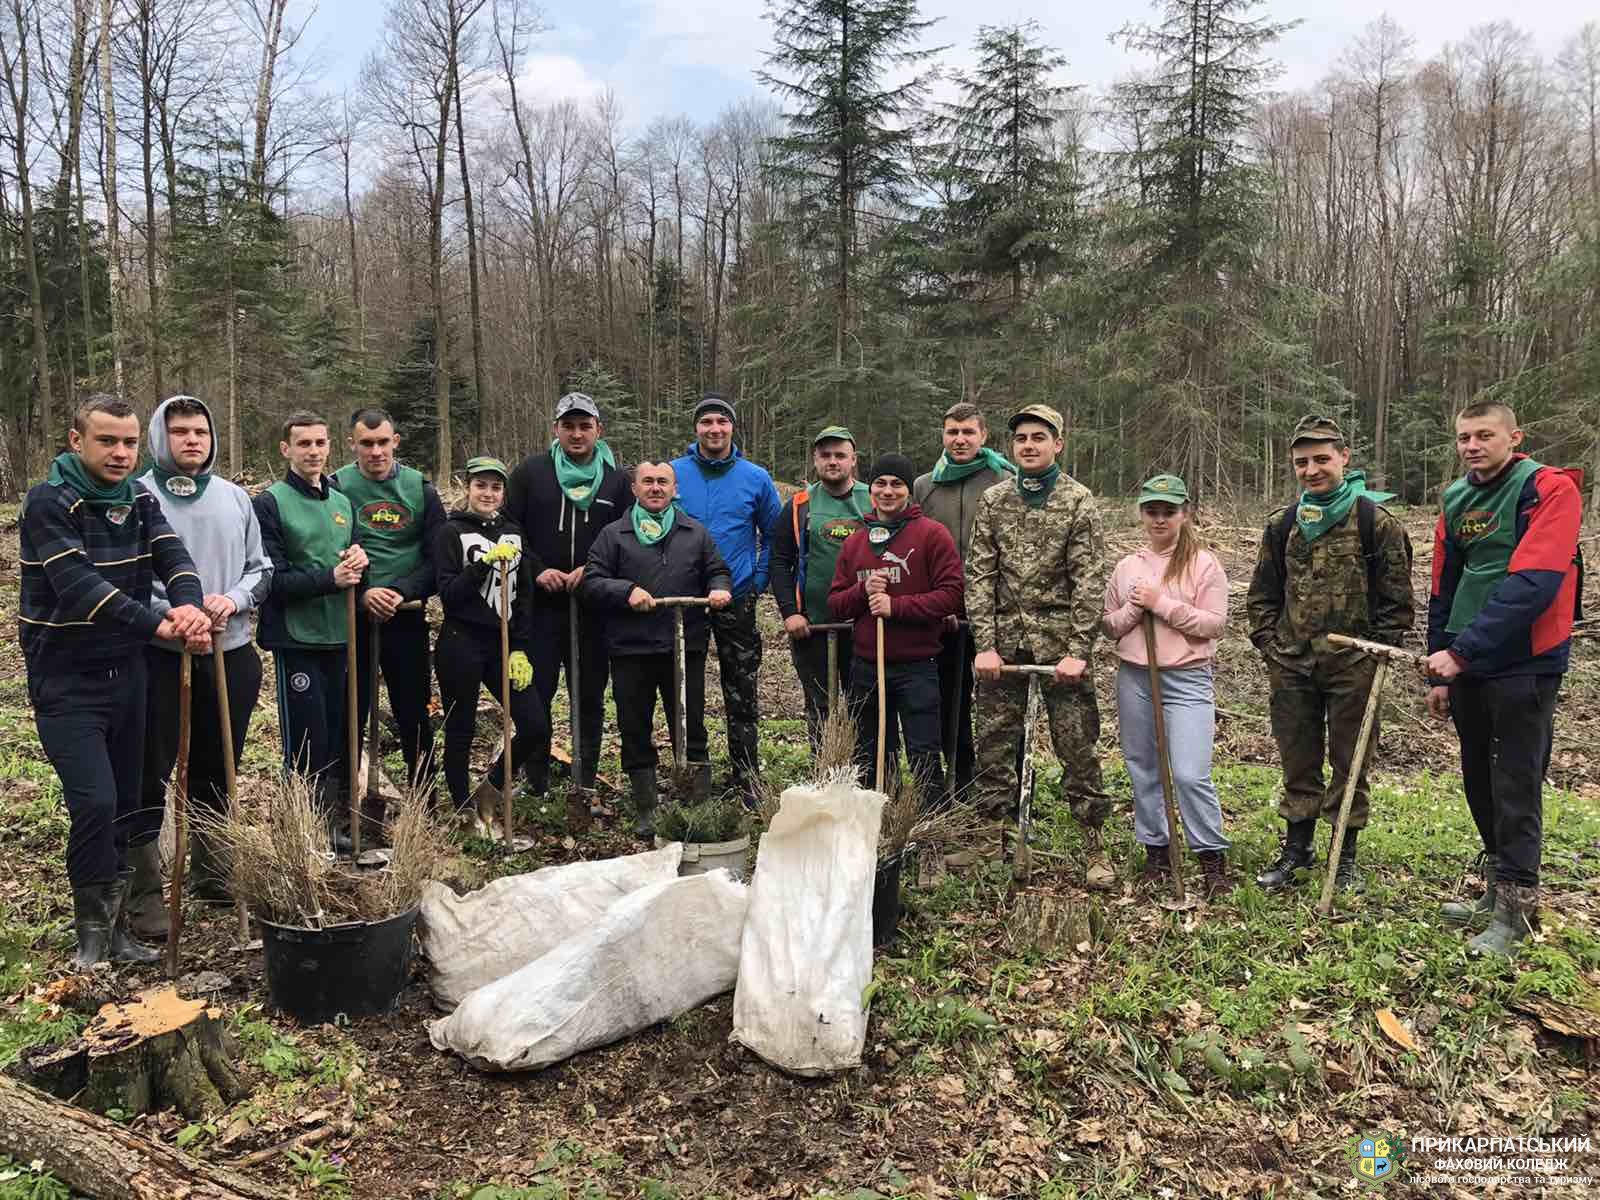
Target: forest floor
x: 1239, y: 1049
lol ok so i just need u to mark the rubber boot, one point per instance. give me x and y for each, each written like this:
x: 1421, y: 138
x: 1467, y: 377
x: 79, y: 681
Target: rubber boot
x: 1516, y: 915
x: 123, y: 948
x: 1479, y: 912
x: 1214, y: 877
x: 642, y: 788
x: 207, y: 883
x: 147, y: 910
x: 699, y: 782
x: 1345, y: 876
x: 91, y: 921
x: 1295, y: 855
x: 1097, y: 873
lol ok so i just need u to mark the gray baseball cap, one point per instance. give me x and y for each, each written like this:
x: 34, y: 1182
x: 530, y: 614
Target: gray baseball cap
x: 577, y: 402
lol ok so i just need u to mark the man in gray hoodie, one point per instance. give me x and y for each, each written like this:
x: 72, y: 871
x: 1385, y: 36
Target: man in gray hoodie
x: 218, y: 526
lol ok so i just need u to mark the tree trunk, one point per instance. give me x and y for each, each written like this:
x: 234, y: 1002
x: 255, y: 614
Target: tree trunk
x: 151, y: 238
x: 272, y: 29
x: 480, y: 391
x: 108, y: 109
x: 441, y: 362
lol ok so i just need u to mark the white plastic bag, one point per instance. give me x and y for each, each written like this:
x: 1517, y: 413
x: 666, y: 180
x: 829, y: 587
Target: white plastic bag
x: 807, y: 954
x: 475, y: 939
x: 659, y: 952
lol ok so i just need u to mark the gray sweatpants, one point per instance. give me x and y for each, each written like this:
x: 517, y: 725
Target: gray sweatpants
x: 1191, y: 726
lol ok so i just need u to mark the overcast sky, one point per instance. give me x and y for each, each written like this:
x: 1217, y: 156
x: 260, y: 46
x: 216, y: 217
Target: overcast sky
x: 665, y: 57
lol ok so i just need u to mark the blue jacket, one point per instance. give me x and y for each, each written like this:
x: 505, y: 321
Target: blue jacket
x: 739, y: 504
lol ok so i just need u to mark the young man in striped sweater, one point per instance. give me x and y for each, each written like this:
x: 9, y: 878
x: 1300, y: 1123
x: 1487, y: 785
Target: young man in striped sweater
x: 92, y: 545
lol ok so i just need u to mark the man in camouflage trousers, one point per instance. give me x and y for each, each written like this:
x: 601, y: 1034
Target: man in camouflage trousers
x: 1333, y: 562
x: 1036, y: 580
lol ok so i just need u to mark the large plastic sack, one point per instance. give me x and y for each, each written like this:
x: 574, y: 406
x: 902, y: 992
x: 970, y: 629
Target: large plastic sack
x: 807, y: 954
x: 475, y: 939
x: 659, y: 952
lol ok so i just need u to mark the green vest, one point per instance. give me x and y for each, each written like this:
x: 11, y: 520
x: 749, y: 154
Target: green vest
x: 389, y: 513
x: 314, y: 532
x: 1482, y: 522
x: 829, y: 520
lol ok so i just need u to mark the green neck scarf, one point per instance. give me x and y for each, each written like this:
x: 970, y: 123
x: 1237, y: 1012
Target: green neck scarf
x: 945, y: 471
x: 1317, y: 514
x: 186, y: 490
x: 581, y: 481
x: 68, y: 468
x: 651, y: 527
x: 1035, y: 489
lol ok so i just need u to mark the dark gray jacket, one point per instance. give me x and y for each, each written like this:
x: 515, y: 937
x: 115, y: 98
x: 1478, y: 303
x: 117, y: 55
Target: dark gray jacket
x: 955, y: 505
x: 684, y: 563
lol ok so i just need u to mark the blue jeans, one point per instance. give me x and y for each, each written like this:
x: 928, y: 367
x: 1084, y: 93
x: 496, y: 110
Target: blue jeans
x: 1191, y: 725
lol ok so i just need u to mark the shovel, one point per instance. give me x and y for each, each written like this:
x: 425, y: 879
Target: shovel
x: 230, y: 771
x: 579, y: 815
x: 680, y: 675
x: 883, y: 710
x: 353, y: 722
x: 1164, y: 761
x: 374, y: 803
x: 1022, y: 860
x: 180, y: 812
x: 833, y: 632
x: 507, y: 773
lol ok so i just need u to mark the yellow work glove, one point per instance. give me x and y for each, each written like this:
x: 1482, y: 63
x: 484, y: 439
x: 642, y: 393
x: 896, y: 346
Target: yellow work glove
x: 521, y: 671
x: 500, y: 552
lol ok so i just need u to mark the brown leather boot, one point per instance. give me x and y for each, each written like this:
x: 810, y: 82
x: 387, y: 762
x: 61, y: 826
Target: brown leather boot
x: 1214, y: 877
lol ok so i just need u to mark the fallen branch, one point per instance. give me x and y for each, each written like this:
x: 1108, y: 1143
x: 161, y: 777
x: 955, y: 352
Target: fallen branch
x: 300, y: 1141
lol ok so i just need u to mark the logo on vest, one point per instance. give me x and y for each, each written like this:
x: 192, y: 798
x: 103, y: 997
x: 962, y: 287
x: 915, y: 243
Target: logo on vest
x: 837, y: 531
x: 119, y: 513
x: 1477, y: 523
x: 386, y: 514
x: 181, y: 485
x: 338, y: 519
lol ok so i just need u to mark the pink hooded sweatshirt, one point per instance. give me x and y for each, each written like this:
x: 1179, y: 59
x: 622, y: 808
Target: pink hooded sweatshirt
x: 1190, y: 612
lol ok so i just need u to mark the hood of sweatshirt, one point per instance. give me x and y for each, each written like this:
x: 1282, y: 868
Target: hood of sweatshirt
x: 161, y: 451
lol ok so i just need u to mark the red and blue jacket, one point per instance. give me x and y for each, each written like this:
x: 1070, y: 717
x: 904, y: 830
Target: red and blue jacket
x: 1525, y: 628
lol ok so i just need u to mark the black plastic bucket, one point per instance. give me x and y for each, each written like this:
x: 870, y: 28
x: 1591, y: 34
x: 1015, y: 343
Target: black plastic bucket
x: 886, y: 896
x: 359, y: 969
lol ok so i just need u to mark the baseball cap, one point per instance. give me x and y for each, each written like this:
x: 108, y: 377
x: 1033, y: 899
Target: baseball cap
x: 1037, y: 412
x: 834, y: 433
x: 1317, y: 429
x: 577, y: 402
x: 485, y: 464
x: 714, y: 403
x: 1163, y: 487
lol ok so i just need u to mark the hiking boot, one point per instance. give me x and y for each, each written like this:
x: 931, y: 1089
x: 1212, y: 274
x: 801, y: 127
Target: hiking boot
x: 123, y: 948
x: 1345, y: 876
x: 1475, y: 913
x: 1157, y: 869
x: 206, y: 883
x: 91, y: 921
x: 1097, y: 873
x: 147, y: 910
x: 642, y: 789
x: 1516, y: 915
x: 1295, y: 855
x: 1214, y: 877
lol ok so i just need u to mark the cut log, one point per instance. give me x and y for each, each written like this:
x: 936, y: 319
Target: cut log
x: 157, y: 1049
x: 1051, y: 922
x: 99, y: 1158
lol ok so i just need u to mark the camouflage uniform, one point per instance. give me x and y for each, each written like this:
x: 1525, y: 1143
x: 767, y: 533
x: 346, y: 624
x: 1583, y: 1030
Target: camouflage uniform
x: 1036, y: 580
x: 1319, y: 692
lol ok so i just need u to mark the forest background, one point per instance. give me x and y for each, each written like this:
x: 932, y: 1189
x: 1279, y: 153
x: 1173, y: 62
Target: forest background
x: 1183, y: 262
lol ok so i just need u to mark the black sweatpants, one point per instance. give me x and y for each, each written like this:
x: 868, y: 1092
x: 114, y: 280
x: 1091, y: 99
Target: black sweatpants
x: 407, y: 677
x: 91, y: 725
x: 955, y: 676
x: 1506, y: 725
x: 911, y: 691
x: 311, y: 716
x: 636, y: 681
x: 467, y: 659
x: 208, y: 780
x: 553, y: 642
x: 811, y: 665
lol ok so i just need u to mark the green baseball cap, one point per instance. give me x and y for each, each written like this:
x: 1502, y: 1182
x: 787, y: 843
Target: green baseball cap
x: 485, y: 464
x: 1037, y: 412
x: 1163, y: 487
x: 1317, y: 428
x: 834, y: 433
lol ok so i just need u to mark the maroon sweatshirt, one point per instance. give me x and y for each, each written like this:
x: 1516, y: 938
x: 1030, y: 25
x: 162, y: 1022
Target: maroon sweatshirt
x: 925, y: 587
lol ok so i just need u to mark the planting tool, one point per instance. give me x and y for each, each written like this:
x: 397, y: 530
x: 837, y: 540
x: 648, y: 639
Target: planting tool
x: 579, y: 814
x: 1022, y: 860
x: 883, y: 710
x: 507, y: 771
x: 180, y: 810
x: 1378, y: 650
x: 680, y: 675
x: 230, y: 771
x: 374, y: 803
x: 1164, y: 761
x: 833, y: 631
x: 353, y: 721
x: 1385, y: 655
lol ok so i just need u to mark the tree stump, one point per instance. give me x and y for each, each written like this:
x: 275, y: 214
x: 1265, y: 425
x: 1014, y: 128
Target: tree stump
x: 154, y: 1050
x: 1051, y: 922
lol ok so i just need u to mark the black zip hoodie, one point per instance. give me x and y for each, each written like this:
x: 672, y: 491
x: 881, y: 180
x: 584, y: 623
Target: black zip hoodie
x: 557, y: 533
x: 469, y: 588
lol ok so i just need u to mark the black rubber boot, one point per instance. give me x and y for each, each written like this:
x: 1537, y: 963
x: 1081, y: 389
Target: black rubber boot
x: 642, y: 788
x: 91, y: 920
x: 123, y: 948
x: 1295, y: 855
x: 207, y: 883
x: 1345, y: 876
x: 146, y: 906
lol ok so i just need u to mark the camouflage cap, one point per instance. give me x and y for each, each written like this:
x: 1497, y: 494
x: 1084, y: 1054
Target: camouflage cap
x: 485, y: 464
x: 1037, y: 412
x: 1317, y: 429
x: 1163, y: 487
x: 834, y: 433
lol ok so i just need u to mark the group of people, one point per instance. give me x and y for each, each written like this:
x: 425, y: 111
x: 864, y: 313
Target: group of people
x: 950, y: 575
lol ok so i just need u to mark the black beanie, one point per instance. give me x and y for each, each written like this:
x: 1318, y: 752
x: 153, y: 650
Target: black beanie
x: 897, y: 465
